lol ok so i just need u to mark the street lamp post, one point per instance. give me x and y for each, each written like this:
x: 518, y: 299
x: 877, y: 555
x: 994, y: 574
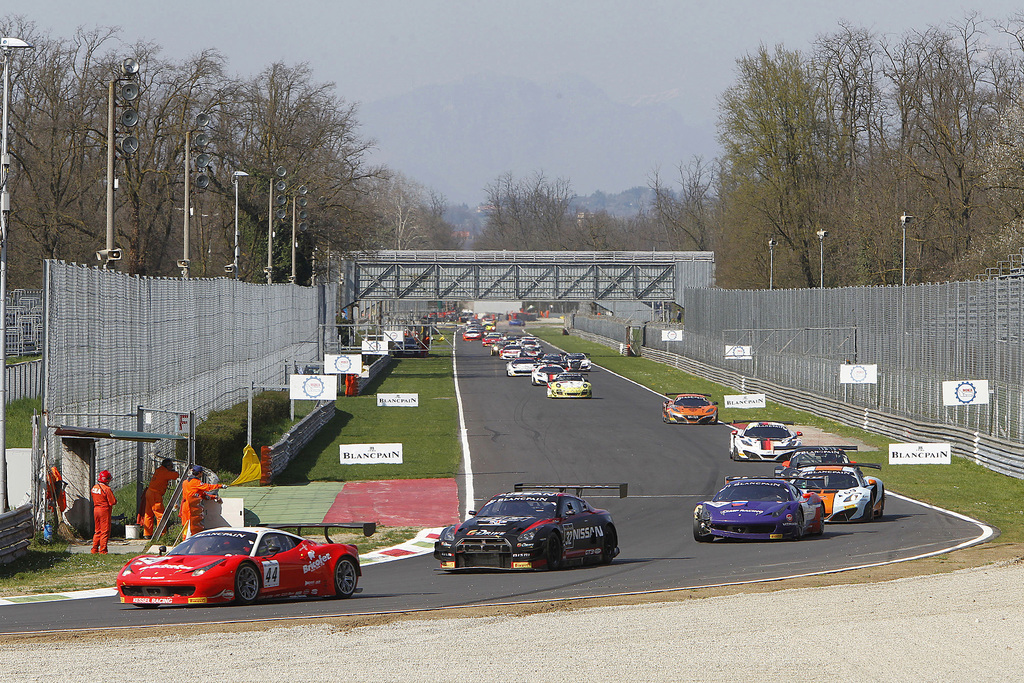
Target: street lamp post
x: 771, y: 262
x: 6, y: 44
x: 234, y: 178
x: 822, y: 234
x: 904, y: 219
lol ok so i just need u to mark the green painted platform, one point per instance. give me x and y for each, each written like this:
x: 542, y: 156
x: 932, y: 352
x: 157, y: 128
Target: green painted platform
x: 282, y: 504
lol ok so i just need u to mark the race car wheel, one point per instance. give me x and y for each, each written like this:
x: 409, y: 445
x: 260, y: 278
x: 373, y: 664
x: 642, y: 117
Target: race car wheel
x: 554, y: 552
x: 247, y: 584
x: 700, y: 531
x: 611, y: 542
x: 732, y: 454
x: 870, y: 516
x: 345, y: 578
x: 799, y: 525
x: 821, y: 522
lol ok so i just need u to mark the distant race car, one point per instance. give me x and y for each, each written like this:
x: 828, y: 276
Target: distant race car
x: 532, y: 350
x: 240, y: 565
x: 689, y: 409
x: 542, y: 374
x: 772, y: 441
x: 759, y: 509
x: 489, y: 338
x: 570, y: 385
x: 533, y: 527
x: 520, y: 367
x: 515, y: 322
x: 510, y: 351
x: 578, y: 362
x: 471, y: 333
x: 805, y: 456
x: 849, y: 495
x: 553, y: 359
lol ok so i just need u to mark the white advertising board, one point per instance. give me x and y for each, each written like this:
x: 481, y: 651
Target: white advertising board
x: 397, y: 336
x: 738, y: 352
x: 965, y: 392
x: 345, y: 364
x: 858, y: 374
x: 182, y: 424
x: 375, y: 346
x: 671, y: 335
x: 746, y: 401
x: 920, y: 454
x: 371, y: 454
x: 313, y: 387
x: 398, y: 400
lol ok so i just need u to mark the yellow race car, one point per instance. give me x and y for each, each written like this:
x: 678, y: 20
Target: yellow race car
x: 569, y: 385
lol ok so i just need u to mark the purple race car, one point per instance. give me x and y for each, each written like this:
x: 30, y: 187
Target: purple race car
x: 759, y: 509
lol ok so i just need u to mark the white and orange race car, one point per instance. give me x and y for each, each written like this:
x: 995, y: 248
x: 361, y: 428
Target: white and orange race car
x: 849, y: 495
x: 762, y: 441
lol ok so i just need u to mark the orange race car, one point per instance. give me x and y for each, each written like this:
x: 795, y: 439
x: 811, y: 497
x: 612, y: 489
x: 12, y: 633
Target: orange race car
x: 689, y: 409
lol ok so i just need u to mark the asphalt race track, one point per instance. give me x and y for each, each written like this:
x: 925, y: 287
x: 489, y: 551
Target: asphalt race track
x: 516, y: 434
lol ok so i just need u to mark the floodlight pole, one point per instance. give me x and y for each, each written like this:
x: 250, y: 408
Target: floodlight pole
x: 235, y: 176
x: 188, y: 191
x: 110, y: 174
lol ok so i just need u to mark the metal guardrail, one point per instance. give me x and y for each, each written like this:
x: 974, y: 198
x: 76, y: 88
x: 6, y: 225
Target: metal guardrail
x: 15, y: 533
x: 1000, y: 456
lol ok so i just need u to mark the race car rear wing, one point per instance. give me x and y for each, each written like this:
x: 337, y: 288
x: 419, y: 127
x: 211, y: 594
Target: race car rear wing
x: 576, y: 488
x: 686, y: 393
x: 368, y: 528
x: 757, y: 419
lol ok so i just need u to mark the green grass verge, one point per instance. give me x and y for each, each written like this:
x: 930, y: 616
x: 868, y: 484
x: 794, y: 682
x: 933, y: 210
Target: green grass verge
x: 429, y: 432
x: 963, y: 487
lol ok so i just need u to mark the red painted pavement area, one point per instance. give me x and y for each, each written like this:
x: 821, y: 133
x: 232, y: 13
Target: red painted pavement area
x: 398, y: 502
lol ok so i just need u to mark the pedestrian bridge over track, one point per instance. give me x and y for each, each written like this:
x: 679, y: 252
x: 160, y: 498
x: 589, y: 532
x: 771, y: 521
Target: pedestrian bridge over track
x: 527, y: 275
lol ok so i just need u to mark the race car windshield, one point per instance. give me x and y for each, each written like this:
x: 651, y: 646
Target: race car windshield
x: 551, y: 369
x: 767, y: 432
x: 753, y: 491
x: 818, y: 459
x: 832, y: 480
x: 577, y: 356
x: 565, y: 377
x: 518, y: 507
x: 691, y: 402
x: 217, y: 543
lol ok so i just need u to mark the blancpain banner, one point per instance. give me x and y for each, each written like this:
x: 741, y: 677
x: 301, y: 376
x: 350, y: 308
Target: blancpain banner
x: 746, y: 401
x: 919, y: 454
x: 347, y: 364
x: 313, y: 387
x: 858, y: 374
x: 739, y: 352
x: 965, y: 392
x: 403, y: 400
x: 671, y: 335
x: 371, y: 454
x: 375, y: 346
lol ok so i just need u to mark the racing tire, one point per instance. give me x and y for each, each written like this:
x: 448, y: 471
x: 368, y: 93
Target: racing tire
x: 870, y: 516
x: 821, y: 523
x: 346, y: 577
x: 553, y: 552
x: 700, y: 534
x: 247, y: 584
x: 611, y: 544
x: 732, y: 454
x: 799, y: 533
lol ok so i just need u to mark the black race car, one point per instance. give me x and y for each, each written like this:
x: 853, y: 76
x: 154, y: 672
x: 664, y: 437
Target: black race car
x: 538, y: 526
x: 807, y: 456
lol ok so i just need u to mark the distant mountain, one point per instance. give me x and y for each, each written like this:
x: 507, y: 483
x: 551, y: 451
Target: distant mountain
x: 458, y: 138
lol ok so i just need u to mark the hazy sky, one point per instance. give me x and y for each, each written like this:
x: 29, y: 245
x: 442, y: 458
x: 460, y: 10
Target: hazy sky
x: 377, y: 48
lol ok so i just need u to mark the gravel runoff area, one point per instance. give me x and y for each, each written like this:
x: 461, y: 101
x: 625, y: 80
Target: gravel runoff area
x: 960, y: 626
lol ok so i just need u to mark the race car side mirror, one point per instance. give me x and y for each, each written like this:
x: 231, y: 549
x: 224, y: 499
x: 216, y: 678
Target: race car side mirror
x: 472, y: 513
x: 799, y: 433
x: 714, y: 403
x: 807, y: 496
x: 734, y: 432
x: 785, y: 464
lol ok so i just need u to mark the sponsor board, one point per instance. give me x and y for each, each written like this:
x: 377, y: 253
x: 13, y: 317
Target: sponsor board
x: 398, y: 400
x: 344, y: 364
x: 746, y: 401
x: 183, y: 425
x: 377, y: 347
x: 920, y: 454
x: 738, y: 352
x: 671, y: 335
x: 313, y: 387
x: 858, y: 374
x: 965, y: 392
x: 371, y: 454
x: 397, y: 336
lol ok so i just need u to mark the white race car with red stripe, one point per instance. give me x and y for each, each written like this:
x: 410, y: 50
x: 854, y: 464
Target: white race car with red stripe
x: 772, y: 441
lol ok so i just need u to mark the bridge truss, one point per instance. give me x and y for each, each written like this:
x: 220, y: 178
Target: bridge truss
x: 530, y: 275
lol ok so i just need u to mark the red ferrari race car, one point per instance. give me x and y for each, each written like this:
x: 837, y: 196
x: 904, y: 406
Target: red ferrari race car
x: 240, y: 565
